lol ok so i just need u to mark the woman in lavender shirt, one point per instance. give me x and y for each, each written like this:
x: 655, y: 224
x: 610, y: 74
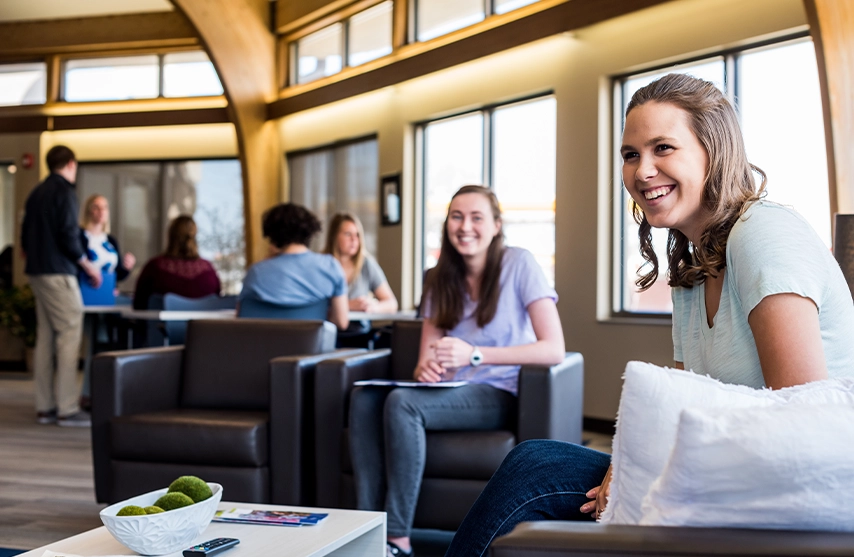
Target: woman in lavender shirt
x: 488, y: 309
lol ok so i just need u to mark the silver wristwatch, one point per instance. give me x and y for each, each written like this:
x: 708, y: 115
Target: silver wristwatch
x: 476, y: 357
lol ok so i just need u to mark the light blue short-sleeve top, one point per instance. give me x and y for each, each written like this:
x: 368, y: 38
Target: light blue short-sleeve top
x: 771, y: 249
x: 522, y: 282
x: 294, y: 279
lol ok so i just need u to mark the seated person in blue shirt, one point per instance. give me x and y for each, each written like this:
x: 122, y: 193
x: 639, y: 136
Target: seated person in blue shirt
x: 293, y: 275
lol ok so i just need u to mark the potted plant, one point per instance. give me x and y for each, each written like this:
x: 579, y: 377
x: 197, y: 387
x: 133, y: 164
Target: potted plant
x: 18, y: 315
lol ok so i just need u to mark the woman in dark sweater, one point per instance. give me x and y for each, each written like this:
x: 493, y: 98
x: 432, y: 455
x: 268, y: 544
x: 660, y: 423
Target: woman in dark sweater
x: 179, y: 270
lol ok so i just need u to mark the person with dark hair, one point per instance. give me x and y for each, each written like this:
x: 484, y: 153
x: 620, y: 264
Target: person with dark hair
x: 50, y: 242
x: 293, y: 275
x: 368, y: 288
x: 488, y: 310
x: 179, y: 269
x: 758, y: 300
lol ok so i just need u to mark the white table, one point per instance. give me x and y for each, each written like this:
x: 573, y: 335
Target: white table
x: 342, y: 534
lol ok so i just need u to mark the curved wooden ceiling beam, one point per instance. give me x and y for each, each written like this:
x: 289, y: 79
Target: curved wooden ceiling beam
x: 832, y: 28
x: 236, y: 35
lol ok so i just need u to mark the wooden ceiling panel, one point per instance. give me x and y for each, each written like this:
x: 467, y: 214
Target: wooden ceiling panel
x: 149, y: 30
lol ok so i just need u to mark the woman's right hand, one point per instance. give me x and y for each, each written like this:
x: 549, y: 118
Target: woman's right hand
x: 429, y: 371
x: 600, y: 497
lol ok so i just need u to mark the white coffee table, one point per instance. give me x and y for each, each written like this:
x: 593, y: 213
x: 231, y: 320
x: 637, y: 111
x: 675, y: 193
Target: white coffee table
x: 343, y: 533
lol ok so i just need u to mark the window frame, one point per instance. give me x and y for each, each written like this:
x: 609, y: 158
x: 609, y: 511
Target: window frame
x: 488, y: 137
x: 619, y: 217
x: 160, y: 53
x: 292, y: 40
x: 412, y: 19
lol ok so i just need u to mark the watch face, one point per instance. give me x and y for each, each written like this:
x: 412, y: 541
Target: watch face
x: 476, y: 357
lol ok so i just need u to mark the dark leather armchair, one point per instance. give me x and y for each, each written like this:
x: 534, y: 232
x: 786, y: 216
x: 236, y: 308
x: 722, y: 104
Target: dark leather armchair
x: 234, y: 405
x: 551, y: 538
x: 459, y: 463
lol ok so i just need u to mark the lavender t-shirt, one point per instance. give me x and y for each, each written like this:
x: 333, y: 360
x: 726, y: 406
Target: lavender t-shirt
x: 522, y: 283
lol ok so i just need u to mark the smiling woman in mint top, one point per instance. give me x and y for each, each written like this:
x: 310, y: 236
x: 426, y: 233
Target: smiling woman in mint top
x: 488, y: 309
x: 758, y: 299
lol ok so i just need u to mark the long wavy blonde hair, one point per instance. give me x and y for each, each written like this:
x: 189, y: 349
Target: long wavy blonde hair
x: 338, y: 219
x: 729, y: 187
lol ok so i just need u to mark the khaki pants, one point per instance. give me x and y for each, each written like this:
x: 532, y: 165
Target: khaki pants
x: 59, y: 311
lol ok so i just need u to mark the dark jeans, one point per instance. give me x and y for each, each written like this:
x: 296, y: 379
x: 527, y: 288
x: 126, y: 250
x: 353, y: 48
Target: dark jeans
x: 388, y: 439
x: 538, y: 480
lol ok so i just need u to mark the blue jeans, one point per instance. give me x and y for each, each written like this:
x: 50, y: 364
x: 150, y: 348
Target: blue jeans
x: 538, y: 480
x: 388, y: 439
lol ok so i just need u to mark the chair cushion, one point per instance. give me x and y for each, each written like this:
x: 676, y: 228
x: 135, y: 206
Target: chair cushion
x: 464, y: 455
x: 405, y: 345
x: 468, y: 455
x: 220, y: 372
x: 208, y: 437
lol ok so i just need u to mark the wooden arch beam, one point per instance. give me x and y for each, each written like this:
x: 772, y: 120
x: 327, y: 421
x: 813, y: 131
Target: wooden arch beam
x: 832, y: 28
x: 236, y: 35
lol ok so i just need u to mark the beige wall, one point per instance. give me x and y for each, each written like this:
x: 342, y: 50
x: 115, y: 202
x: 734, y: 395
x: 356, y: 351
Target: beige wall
x: 577, y: 68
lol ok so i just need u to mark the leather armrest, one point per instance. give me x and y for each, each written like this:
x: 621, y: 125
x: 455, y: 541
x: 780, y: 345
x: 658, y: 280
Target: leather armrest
x: 292, y: 426
x: 551, y: 400
x: 124, y: 383
x: 550, y: 538
x: 335, y: 379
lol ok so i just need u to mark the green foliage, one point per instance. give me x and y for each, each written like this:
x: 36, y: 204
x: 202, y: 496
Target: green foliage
x: 193, y: 487
x: 18, y: 313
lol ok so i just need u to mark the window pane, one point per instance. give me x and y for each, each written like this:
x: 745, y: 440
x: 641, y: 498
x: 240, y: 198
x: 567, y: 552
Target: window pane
x: 504, y: 6
x: 319, y: 54
x: 370, y: 34
x: 216, y: 187
x: 108, y: 79
x: 772, y: 82
x: 7, y: 206
x: 189, y: 74
x: 343, y: 178
x: 524, y: 177
x: 145, y: 196
x: 657, y: 298
x: 23, y: 84
x: 453, y: 157
x: 439, y: 17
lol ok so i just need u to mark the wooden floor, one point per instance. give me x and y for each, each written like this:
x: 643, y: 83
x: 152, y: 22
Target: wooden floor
x: 46, y: 488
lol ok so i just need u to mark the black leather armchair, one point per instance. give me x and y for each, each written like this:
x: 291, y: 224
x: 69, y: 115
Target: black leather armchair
x: 234, y: 406
x: 551, y: 538
x: 459, y: 463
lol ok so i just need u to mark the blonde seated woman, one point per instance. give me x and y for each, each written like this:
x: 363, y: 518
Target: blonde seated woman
x: 368, y: 289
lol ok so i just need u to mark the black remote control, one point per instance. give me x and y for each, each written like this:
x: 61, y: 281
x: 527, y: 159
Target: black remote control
x: 210, y: 547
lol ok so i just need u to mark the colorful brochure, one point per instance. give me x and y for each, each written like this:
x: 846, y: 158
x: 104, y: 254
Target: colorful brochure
x: 276, y: 518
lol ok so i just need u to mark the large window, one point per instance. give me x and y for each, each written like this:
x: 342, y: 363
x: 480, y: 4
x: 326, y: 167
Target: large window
x: 776, y: 92
x: 179, y: 74
x: 338, y: 178
x: 23, y: 84
x: 510, y: 148
x: 145, y: 196
x: 434, y: 18
x: 357, y: 40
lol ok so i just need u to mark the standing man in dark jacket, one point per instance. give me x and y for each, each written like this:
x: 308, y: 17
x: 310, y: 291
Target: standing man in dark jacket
x: 51, y: 243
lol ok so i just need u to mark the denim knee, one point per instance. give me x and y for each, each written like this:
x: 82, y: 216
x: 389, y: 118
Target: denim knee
x: 400, y: 404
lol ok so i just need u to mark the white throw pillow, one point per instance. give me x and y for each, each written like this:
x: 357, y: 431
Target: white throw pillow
x: 786, y: 467
x: 652, y: 399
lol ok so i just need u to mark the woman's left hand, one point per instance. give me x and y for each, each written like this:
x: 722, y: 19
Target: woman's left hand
x: 452, y: 352
x: 129, y: 261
